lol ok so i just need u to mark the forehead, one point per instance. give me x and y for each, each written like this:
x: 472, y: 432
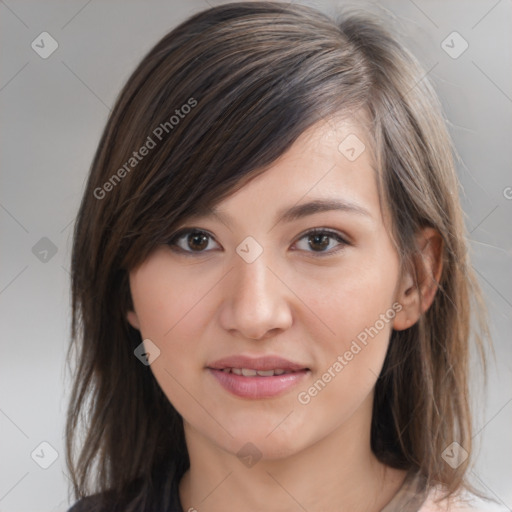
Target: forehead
x: 332, y: 160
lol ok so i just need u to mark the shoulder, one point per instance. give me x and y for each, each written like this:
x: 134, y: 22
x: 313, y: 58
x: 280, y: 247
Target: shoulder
x: 162, y: 495
x: 106, y: 502
x: 462, y: 502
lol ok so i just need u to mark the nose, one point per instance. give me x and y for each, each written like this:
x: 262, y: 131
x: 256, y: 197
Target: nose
x: 256, y: 302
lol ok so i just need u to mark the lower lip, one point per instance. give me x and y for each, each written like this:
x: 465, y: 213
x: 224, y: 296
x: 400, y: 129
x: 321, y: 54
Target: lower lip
x: 257, y: 387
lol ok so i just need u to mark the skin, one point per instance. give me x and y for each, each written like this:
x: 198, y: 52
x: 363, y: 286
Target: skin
x: 291, y: 301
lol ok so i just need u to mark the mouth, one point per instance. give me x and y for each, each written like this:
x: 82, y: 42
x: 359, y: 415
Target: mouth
x: 250, y: 372
x: 247, y: 365
x: 257, y: 378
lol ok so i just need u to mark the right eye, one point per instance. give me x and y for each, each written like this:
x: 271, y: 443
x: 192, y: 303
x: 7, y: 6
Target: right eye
x: 190, y: 240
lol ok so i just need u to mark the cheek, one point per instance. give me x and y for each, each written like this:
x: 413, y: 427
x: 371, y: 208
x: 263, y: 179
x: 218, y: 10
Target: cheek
x: 169, y: 311
x: 355, y: 307
x: 165, y: 315
x: 351, y: 360
x: 167, y: 302
x: 352, y: 297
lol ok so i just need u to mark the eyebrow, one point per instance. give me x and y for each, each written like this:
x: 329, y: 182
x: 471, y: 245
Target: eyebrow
x: 318, y: 206
x: 298, y: 211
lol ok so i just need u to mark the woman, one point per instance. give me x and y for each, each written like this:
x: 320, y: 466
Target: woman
x: 271, y: 289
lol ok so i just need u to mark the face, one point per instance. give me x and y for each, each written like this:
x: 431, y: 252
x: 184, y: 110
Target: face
x: 246, y: 283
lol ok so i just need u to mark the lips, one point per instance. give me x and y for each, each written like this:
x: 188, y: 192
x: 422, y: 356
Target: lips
x: 257, y: 378
x: 249, y: 372
x: 265, y: 363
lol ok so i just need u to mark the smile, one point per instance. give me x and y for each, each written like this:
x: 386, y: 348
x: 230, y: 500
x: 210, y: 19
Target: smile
x: 249, y: 372
x: 257, y: 384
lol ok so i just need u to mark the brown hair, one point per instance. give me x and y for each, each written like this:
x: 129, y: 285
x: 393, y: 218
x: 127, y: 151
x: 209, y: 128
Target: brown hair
x: 254, y: 76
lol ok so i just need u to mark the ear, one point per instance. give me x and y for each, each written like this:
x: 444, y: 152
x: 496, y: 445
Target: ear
x: 133, y: 319
x: 419, y: 285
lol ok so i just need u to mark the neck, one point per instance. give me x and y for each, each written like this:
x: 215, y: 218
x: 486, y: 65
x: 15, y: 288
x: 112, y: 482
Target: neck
x: 339, y: 472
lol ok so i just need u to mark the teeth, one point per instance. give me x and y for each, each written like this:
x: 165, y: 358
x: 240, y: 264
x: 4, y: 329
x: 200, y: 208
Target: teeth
x: 265, y: 373
x: 248, y: 372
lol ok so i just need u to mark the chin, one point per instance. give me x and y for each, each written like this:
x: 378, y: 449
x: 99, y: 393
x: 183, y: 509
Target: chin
x: 273, y: 446
x: 261, y: 448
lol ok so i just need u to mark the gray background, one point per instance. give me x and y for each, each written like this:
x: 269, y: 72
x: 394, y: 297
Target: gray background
x: 53, y: 111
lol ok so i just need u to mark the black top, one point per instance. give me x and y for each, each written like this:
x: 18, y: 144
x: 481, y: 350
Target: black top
x: 409, y: 498
x: 96, y: 502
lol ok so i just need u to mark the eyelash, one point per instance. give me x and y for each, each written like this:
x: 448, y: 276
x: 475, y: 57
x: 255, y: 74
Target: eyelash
x: 183, y: 233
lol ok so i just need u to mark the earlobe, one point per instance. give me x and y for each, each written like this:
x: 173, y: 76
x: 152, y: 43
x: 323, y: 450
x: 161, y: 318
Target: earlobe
x: 133, y: 319
x: 419, y: 285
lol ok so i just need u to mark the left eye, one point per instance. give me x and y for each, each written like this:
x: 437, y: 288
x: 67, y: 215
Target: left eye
x: 319, y: 239
x: 197, y: 241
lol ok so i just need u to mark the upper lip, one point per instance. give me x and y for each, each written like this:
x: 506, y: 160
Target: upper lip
x: 256, y: 363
